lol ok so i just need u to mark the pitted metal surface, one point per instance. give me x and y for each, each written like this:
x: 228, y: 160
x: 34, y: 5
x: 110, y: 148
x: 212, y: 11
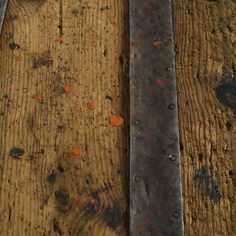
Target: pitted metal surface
x: 155, y: 183
x: 3, y: 5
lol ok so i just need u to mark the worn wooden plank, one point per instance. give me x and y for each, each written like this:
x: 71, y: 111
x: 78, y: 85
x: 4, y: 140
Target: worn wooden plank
x: 205, y: 62
x: 62, y: 77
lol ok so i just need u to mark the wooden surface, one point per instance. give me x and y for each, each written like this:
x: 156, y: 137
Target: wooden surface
x: 47, y: 47
x: 205, y: 35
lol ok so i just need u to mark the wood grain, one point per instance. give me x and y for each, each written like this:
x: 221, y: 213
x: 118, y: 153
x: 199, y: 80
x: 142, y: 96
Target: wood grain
x: 47, y: 45
x: 205, y: 34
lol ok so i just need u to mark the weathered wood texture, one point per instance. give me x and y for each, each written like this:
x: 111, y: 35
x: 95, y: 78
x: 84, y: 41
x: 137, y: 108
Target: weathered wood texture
x: 47, y: 48
x: 47, y: 45
x: 206, y: 65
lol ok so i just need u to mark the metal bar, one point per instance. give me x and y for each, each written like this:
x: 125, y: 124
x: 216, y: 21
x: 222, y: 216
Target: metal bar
x: 3, y: 6
x: 155, y: 183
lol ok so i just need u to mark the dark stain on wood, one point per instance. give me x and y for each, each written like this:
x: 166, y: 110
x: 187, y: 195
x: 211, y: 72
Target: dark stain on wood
x: 14, y: 45
x: 63, y: 200
x: 226, y: 94
x: 62, y: 196
x: 206, y: 180
x: 52, y: 177
x: 113, y: 215
x: 39, y: 62
x: 16, y: 152
x: 43, y: 60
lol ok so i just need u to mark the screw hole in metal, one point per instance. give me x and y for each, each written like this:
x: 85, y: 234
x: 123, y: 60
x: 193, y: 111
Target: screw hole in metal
x: 172, y: 157
x: 171, y: 106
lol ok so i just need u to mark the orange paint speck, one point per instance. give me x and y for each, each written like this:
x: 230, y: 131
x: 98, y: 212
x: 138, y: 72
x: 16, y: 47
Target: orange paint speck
x: 91, y: 106
x: 156, y: 42
x: 158, y: 82
x: 59, y: 39
x: 18, y: 58
x: 116, y: 121
x: 38, y: 97
x: 75, y: 151
x: 67, y: 89
x: 66, y: 155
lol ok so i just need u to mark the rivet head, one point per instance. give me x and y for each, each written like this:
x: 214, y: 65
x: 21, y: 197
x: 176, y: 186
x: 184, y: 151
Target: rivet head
x: 176, y: 215
x: 171, y: 106
x: 172, y: 157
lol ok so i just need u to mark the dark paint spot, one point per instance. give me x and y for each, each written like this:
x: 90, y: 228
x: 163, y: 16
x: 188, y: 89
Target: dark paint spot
x: 207, y: 181
x: 13, y: 46
x: 226, y: 94
x: 229, y: 125
x: 16, y: 153
x: 113, y: 215
x: 40, y: 62
x: 52, y: 177
x: 62, y: 196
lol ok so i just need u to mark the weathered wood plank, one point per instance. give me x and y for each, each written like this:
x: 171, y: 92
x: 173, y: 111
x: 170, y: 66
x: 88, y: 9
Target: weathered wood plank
x: 205, y: 62
x: 61, y: 79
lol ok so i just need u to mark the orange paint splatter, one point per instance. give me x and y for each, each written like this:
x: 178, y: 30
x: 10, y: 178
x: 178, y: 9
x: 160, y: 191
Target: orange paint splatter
x: 67, y: 89
x: 91, y: 106
x: 156, y: 42
x: 116, y: 121
x: 158, y: 82
x: 75, y: 151
x: 59, y: 38
x: 18, y: 58
x: 38, y: 97
x: 66, y: 155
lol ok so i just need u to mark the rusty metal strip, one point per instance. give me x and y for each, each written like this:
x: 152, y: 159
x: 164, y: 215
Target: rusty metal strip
x: 3, y: 5
x: 155, y: 183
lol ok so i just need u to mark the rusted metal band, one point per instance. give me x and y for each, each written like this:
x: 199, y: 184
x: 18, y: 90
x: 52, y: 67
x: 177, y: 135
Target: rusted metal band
x: 3, y: 5
x: 155, y: 183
